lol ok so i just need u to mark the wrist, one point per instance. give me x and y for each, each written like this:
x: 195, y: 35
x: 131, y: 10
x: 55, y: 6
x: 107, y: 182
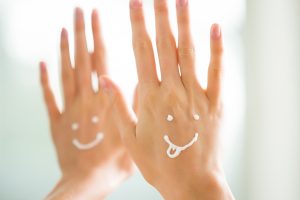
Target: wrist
x: 205, y: 187
x: 79, y: 186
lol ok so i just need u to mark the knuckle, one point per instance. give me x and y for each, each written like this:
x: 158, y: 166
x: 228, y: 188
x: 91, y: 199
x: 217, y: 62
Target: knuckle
x: 216, y: 71
x: 148, y: 98
x: 141, y: 44
x: 174, y: 99
x: 216, y: 111
x: 186, y: 52
x: 218, y: 51
x: 64, y: 45
x: 66, y: 77
x: 165, y: 42
x: 137, y: 16
x: 161, y: 7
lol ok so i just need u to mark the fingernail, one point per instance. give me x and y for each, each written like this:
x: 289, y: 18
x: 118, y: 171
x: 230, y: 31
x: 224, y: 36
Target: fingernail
x: 182, y: 3
x: 64, y: 33
x: 78, y: 12
x: 215, y: 32
x: 135, y: 3
x: 42, y: 67
x: 95, y: 13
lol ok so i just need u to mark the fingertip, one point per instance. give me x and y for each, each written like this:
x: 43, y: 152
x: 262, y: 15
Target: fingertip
x: 95, y: 21
x: 78, y: 12
x: 94, y: 12
x: 216, y: 32
x: 42, y: 65
x: 181, y: 3
x: 64, y: 33
x: 135, y: 4
x: 216, y: 42
x: 79, y: 18
x: 64, y: 37
x: 43, y: 73
x: 43, y: 70
x: 95, y: 16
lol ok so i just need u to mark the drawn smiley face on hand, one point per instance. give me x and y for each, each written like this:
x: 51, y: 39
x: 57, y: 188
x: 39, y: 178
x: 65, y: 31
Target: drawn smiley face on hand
x: 173, y: 151
x: 99, y: 136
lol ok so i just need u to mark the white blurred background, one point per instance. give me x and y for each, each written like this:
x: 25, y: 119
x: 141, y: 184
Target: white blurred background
x: 261, y: 136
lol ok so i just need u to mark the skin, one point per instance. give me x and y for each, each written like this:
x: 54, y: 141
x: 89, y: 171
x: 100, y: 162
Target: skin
x: 94, y: 173
x: 196, y: 173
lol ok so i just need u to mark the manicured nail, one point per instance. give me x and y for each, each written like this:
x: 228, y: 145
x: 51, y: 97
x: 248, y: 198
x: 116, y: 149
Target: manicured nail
x: 95, y: 13
x: 78, y: 12
x: 215, y: 32
x: 136, y: 3
x: 42, y: 67
x: 64, y: 33
x: 182, y: 3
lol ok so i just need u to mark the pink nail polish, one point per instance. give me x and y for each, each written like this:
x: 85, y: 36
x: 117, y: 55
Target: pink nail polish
x: 78, y: 13
x: 215, y: 32
x: 64, y: 33
x: 42, y: 67
x: 182, y: 3
x: 136, y: 3
x: 95, y: 13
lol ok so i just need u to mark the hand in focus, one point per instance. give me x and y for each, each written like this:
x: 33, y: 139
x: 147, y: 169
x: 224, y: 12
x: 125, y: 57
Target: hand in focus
x: 175, y: 142
x: 92, y: 158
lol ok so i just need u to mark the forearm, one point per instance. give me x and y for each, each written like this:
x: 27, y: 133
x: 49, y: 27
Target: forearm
x: 214, y: 188
x: 77, y: 189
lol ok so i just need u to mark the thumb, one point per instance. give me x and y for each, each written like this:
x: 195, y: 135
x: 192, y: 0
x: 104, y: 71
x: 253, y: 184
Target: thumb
x: 124, y: 118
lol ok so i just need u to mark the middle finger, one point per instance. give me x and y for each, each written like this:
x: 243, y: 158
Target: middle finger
x: 82, y: 57
x: 166, y: 45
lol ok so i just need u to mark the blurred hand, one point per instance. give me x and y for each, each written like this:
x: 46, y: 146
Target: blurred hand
x: 91, y: 156
x: 175, y: 142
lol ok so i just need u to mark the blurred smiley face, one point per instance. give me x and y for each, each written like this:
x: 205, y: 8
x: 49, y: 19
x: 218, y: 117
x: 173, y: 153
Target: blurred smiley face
x: 99, y: 136
x: 173, y: 151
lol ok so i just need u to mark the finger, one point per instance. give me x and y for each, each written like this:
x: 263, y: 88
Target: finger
x: 52, y: 108
x: 142, y: 45
x: 135, y: 100
x: 215, y: 66
x: 99, y: 55
x: 67, y: 71
x: 126, y: 120
x: 166, y: 45
x: 186, y: 50
x: 82, y: 57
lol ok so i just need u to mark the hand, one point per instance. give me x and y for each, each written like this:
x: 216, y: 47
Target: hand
x: 176, y: 111
x: 91, y: 156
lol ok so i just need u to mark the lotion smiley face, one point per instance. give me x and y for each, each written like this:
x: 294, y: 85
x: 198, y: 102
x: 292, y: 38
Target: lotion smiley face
x: 92, y: 144
x: 173, y: 151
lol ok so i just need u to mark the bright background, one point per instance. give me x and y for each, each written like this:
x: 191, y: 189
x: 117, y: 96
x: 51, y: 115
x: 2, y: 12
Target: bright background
x: 261, y: 134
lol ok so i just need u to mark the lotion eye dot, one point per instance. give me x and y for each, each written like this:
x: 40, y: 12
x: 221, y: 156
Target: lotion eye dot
x: 170, y: 118
x: 75, y: 126
x: 95, y: 119
x: 196, y: 117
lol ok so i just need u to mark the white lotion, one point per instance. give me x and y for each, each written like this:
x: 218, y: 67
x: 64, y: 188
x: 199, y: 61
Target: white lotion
x: 80, y: 146
x: 95, y: 119
x: 75, y: 126
x: 177, y: 149
x: 196, y: 117
x: 170, y: 118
